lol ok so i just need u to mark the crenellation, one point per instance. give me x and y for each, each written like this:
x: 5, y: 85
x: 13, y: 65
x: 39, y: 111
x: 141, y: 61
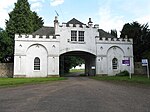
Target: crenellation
x: 64, y: 25
x: 78, y: 25
x: 113, y: 40
x: 35, y: 37
x: 84, y: 26
x: 70, y: 25
x: 109, y: 39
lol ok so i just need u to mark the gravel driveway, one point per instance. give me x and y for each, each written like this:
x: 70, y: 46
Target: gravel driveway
x: 77, y: 94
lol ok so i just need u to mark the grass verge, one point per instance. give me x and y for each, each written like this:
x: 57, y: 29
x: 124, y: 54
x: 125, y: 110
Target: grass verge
x: 76, y: 70
x: 134, y: 79
x: 7, y: 82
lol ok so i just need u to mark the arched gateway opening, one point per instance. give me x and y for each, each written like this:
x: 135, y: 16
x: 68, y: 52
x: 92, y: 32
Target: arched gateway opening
x: 89, y: 61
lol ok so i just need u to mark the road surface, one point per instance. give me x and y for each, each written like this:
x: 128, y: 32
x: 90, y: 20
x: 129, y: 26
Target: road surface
x: 77, y: 94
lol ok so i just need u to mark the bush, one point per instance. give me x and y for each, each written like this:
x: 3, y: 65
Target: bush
x: 123, y: 73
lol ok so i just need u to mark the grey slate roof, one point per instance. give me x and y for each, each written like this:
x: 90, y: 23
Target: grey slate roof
x: 102, y: 33
x: 44, y: 31
x: 74, y: 22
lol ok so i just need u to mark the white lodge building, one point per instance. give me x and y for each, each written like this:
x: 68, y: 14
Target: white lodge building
x: 41, y: 54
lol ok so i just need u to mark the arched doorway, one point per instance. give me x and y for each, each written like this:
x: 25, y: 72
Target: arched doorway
x: 89, y: 61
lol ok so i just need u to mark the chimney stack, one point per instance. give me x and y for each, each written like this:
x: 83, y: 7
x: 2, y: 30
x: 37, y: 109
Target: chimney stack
x: 56, y: 24
x: 90, y: 23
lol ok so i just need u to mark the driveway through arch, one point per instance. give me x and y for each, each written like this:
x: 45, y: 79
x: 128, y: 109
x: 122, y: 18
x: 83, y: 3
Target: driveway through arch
x: 89, y: 59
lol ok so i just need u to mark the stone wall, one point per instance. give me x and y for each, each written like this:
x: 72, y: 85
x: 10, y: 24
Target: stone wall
x: 6, y: 69
x: 139, y: 69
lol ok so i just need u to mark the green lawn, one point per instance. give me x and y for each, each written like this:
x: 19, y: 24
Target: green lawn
x: 76, y: 70
x: 134, y: 79
x: 6, y: 82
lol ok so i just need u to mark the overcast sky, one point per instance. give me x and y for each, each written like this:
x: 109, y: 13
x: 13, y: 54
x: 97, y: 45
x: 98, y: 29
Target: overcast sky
x: 109, y: 14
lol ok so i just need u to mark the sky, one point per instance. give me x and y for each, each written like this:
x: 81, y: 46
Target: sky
x: 109, y: 14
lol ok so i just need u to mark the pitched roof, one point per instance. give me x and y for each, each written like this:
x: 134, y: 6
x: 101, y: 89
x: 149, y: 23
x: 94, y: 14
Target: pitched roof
x: 102, y: 33
x: 44, y: 31
x: 74, y: 22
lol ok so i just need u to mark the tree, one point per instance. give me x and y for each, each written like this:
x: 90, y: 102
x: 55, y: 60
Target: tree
x: 22, y: 21
x: 67, y: 62
x: 140, y: 35
x: 37, y: 21
x: 72, y: 61
x: 5, y: 45
x: 114, y: 33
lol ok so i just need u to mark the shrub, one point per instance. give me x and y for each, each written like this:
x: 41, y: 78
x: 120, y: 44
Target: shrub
x: 123, y: 73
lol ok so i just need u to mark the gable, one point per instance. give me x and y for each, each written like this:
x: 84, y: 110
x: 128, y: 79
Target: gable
x: 74, y: 22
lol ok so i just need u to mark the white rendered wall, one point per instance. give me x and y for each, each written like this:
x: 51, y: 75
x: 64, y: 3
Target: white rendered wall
x: 27, y: 48
x: 107, y: 50
x: 66, y: 45
x: 33, y: 52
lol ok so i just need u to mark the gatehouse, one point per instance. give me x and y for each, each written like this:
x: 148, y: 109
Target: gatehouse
x: 41, y: 53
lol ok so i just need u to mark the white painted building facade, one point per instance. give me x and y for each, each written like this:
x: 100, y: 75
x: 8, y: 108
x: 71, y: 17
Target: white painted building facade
x: 41, y: 53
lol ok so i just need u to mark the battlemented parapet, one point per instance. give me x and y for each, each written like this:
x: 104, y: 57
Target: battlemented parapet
x: 27, y: 37
x: 72, y: 25
x: 113, y: 40
x: 64, y: 25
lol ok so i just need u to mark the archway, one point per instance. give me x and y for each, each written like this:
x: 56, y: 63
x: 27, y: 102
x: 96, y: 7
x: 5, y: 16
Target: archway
x: 89, y: 61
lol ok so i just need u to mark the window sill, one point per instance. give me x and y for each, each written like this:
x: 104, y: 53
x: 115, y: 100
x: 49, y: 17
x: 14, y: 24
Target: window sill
x: 36, y: 70
x: 77, y: 42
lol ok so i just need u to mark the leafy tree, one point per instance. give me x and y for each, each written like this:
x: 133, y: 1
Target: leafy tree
x: 22, y: 21
x: 114, y: 33
x: 140, y: 35
x: 69, y: 62
x: 37, y: 21
x: 72, y: 61
x: 5, y: 45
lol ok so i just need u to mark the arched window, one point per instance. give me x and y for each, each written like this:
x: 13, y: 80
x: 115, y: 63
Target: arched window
x: 114, y: 63
x: 37, y: 63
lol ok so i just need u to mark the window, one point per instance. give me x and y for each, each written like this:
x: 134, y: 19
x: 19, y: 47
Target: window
x: 36, y: 63
x: 73, y: 35
x: 114, y: 63
x: 81, y: 35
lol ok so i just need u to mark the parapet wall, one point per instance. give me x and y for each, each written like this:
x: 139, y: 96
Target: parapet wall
x: 64, y: 25
x: 113, y: 40
x: 37, y: 37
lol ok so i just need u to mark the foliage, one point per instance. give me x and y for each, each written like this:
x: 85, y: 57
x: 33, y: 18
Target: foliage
x: 21, y: 81
x: 146, y: 55
x: 134, y: 79
x: 67, y: 62
x: 72, y: 61
x: 37, y: 21
x: 114, y: 33
x: 123, y: 73
x: 5, y: 45
x: 140, y: 35
x: 22, y: 21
